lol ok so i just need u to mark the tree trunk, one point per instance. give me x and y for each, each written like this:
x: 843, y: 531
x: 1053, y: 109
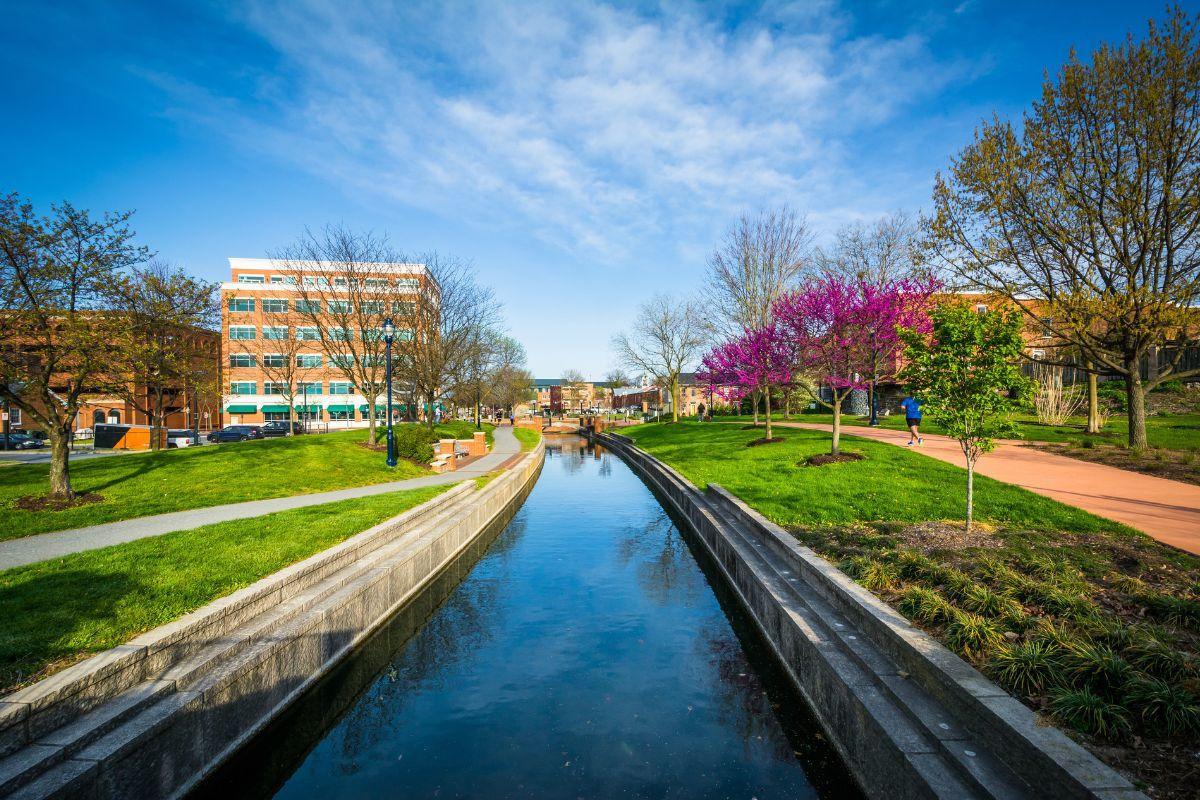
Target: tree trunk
x: 754, y: 403
x: 837, y: 423
x: 675, y: 399
x: 370, y: 421
x: 768, y: 399
x: 429, y: 419
x: 1136, y: 404
x: 291, y: 419
x: 157, y: 423
x: 970, y: 492
x: 60, y: 464
x: 787, y: 405
x: 1093, y: 403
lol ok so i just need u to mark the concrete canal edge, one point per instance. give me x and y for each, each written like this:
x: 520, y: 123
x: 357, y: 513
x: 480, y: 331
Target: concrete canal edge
x: 153, y: 717
x: 910, y: 718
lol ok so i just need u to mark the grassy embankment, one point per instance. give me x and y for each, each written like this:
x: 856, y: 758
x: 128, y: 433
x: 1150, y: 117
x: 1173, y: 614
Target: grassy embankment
x: 62, y: 611
x: 144, y: 484
x: 1087, y: 621
x: 527, y: 437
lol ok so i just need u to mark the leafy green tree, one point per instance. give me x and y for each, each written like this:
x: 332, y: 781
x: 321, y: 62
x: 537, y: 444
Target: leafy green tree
x: 966, y: 374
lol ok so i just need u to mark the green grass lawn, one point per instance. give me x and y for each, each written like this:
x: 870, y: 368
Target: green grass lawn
x: 144, y: 484
x: 61, y: 611
x: 1087, y: 621
x: 527, y: 437
x: 1171, y: 431
x: 892, y: 483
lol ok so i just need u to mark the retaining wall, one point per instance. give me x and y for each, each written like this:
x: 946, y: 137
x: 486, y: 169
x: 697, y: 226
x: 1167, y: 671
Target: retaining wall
x: 152, y: 717
x: 910, y: 718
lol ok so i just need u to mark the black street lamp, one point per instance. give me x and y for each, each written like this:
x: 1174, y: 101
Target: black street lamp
x: 389, y: 333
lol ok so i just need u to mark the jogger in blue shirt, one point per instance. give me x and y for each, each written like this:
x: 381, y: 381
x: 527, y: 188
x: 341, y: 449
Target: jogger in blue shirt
x: 912, y: 418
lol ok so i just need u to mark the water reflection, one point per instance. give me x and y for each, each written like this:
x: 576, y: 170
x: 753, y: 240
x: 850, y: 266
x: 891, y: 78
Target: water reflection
x: 585, y: 656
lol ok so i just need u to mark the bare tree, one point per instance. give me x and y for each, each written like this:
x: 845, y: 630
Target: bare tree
x: 616, y: 378
x: 450, y: 311
x: 288, y: 362
x: 757, y: 260
x: 56, y: 273
x: 509, y: 383
x: 1089, y: 216
x: 885, y: 250
x: 168, y: 318
x: 574, y: 388
x: 667, y: 337
x: 348, y: 284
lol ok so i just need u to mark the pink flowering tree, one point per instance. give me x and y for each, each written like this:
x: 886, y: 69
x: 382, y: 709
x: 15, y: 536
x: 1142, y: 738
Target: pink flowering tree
x: 842, y: 331
x: 754, y: 362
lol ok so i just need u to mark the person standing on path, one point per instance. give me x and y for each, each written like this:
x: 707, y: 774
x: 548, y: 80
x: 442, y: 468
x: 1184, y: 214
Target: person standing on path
x: 912, y: 418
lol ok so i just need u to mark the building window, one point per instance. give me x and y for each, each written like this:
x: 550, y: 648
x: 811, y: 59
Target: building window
x: 1047, y: 325
x: 374, y: 360
x: 14, y: 416
x: 284, y: 279
x: 243, y: 387
x: 980, y: 308
x: 241, y: 304
x: 274, y: 387
x: 341, y: 415
x: 1037, y: 355
x: 276, y: 333
x: 308, y: 306
x: 307, y: 334
x: 114, y: 417
x: 371, y: 334
x: 251, y: 279
x: 98, y: 416
x: 403, y: 334
x: 340, y: 387
x: 376, y: 283
x: 341, y: 360
x: 339, y: 306
x: 274, y: 360
x: 241, y: 332
x: 275, y: 306
x: 340, y: 334
x: 339, y: 283
x: 241, y: 360
x: 403, y: 307
x: 372, y: 306
x: 308, y: 360
x: 408, y: 283
x: 310, y: 280
x: 308, y: 387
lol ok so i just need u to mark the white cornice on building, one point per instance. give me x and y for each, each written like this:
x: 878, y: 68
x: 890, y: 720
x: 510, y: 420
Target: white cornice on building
x: 269, y: 264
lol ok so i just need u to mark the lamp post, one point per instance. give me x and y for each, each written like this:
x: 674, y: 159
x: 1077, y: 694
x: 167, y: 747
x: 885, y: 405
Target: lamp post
x: 874, y: 383
x: 389, y: 333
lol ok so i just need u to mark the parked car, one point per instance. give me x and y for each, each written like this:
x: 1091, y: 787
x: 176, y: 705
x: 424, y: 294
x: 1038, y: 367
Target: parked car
x: 19, y: 441
x: 182, y: 438
x: 236, y: 433
x: 279, y: 427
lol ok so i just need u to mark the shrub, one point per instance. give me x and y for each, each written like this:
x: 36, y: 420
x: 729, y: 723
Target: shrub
x: 1029, y: 667
x: 925, y: 605
x: 1098, y: 666
x: 1087, y: 711
x: 972, y: 635
x: 1160, y: 660
x: 414, y: 442
x: 983, y: 600
x: 1164, y: 707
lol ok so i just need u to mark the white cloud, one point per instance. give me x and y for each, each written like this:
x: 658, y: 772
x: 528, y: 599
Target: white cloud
x: 592, y: 127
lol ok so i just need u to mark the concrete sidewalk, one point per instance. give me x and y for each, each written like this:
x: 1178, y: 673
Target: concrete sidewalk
x: 1166, y: 510
x: 31, y: 549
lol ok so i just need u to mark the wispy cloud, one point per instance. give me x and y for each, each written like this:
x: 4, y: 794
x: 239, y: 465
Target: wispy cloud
x: 591, y: 127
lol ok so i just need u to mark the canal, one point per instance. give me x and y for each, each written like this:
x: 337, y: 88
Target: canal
x: 584, y: 651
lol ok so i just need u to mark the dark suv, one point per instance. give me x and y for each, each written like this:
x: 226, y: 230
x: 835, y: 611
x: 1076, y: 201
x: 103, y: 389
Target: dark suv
x: 236, y: 433
x: 279, y: 427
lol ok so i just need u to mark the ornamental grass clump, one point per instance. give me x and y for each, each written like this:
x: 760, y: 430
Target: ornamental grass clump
x: 971, y: 635
x: 983, y: 600
x: 1097, y: 666
x: 1164, y: 707
x: 1086, y: 711
x: 1029, y: 668
x: 925, y: 605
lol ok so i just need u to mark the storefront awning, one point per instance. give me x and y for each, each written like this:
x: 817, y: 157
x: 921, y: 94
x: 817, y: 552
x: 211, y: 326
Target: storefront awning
x: 275, y: 409
x: 312, y: 409
x: 340, y: 409
x: 244, y: 408
x: 378, y: 409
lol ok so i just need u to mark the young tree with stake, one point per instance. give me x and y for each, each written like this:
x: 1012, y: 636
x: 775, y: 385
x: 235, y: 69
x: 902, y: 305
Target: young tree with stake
x: 965, y: 374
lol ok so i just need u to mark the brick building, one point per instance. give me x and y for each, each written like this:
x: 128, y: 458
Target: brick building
x: 263, y: 303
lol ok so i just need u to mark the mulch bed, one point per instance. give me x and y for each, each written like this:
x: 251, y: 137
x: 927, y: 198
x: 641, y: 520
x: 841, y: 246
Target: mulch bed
x: 829, y: 458
x: 929, y: 536
x: 764, y: 440
x: 44, y: 502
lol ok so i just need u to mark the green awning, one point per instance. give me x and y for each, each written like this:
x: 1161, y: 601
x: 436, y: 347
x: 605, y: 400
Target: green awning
x: 312, y: 409
x: 378, y: 409
x: 242, y: 409
x: 275, y: 409
x: 339, y: 409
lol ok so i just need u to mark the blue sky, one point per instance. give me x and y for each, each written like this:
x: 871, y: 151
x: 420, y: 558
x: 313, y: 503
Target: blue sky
x: 580, y: 154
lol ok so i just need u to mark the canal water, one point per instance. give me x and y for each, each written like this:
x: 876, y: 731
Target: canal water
x: 584, y: 651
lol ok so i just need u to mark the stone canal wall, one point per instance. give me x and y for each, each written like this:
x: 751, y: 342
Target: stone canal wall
x: 151, y: 718
x: 910, y: 718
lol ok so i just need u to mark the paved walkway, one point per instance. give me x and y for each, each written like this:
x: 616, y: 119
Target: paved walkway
x: 31, y: 549
x: 1165, y: 509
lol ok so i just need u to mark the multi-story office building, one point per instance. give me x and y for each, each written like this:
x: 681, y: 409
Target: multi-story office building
x: 296, y: 330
